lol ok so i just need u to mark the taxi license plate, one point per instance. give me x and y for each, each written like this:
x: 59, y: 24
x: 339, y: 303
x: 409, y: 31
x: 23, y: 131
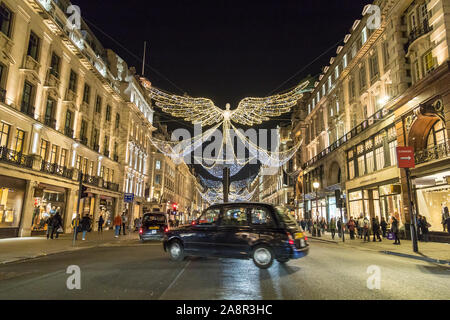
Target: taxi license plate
x: 153, y: 231
x: 298, y: 236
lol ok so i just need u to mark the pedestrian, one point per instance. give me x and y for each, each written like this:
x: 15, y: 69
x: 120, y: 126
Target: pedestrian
x: 332, y: 227
x: 419, y: 228
x: 376, y: 229
x: 101, y: 222
x: 445, y: 216
x: 366, y: 229
x: 85, y: 225
x: 76, y: 225
x: 351, y: 225
x: 447, y: 222
x: 310, y: 224
x: 50, y: 226
x: 323, y: 225
x: 117, y: 225
x: 339, y: 227
x: 425, y: 228
x: 360, y: 226
x: 395, y: 230
x: 57, y: 223
x: 383, y: 225
x: 124, y: 222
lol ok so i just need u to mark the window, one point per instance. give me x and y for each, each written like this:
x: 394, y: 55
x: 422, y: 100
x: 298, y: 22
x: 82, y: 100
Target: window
x: 364, y: 36
x: 98, y: 104
x: 370, y: 162
x: 91, y: 168
x: 108, y: 113
x: 49, y: 110
x: 393, y: 152
x: 78, y: 164
x: 83, y: 131
x: 73, y: 81
x: 4, y: 134
x: 336, y: 72
x: 87, y: 93
x: 63, y: 158
x: 351, y: 165
x: 386, y: 56
x: 53, y: 154
x: 260, y: 216
x: 428, y: 62
x: 95, y: 137
x: 5, y: 20
x: 43, y: 149
x: 27, y: 97
x: 437, y: 135
x: 210, y: 217
x: 158, y: 179
x: 20, y: 137
x: 102, y: 172
x: 106, y: 145
x: 33, y: 46
x: 55, y: 65
x: 68, y: 123
x: 344, y: 61
x: 379, y: 155
x: 117, y: 120
x: 374, y: 68
x: 330, y: 84
x: 234, y: 217
x: 361, y: 166
x: 351, y: 86
x: 362, y: 78
x: 158, y: 165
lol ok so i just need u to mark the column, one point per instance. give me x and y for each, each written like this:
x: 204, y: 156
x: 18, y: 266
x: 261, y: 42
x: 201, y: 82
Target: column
x: 27, y: 210
x: 96, y: 212
x: 71, y: 208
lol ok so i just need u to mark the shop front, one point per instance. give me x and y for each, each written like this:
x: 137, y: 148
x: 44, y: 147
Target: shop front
x: 107, y: 205
x: 48, y: 200
x: 433, y: 198
x: 12, y: 192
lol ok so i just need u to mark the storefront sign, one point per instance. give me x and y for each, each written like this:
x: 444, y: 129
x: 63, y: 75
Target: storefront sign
x: 405, y: 156
x: 128, y: 198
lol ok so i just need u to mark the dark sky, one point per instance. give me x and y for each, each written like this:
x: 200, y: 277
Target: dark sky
x: 224, y: 50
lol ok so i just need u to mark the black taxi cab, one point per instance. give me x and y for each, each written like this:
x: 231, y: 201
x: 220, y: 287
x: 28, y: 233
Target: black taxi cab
x: 256, y: 231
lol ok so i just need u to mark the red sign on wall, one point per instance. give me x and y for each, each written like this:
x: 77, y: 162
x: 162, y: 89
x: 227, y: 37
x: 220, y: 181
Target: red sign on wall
x: 405, y: 156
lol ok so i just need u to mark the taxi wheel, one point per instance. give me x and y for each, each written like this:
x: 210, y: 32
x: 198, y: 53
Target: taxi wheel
x: 283, y: 260
x: 262, y: 257
x: 176, y: 251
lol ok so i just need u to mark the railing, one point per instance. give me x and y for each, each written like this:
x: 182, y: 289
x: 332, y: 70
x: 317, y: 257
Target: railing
x: 16, y: 158
x: 417, y: 33
x: 50, y: 122
x: 84, y: 141
x: 106, y: 153
x: 111, y: 186
x: 2, y: 95
x: 94, y: 181
x: 379, y: 115
x: 96, y: 147
x: 436, y: 152
x: 116, y: 158
x: 28, y: 110
x: 53, y: 168
x: 68, y: 132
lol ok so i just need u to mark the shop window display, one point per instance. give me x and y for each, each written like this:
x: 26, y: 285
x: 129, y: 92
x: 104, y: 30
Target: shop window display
x: 431, y: 204
x: 45, y: 206
x: 12, y: 193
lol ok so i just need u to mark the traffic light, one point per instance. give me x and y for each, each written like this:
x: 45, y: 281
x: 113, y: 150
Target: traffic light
x: 84, y: 193
x: 175, y: 207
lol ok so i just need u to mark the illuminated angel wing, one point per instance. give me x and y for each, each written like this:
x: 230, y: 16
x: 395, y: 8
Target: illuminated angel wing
x: 256, y: 110
x: 190, y: 109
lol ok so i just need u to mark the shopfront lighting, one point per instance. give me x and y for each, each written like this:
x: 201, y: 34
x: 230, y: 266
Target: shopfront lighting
x: 316, y: 185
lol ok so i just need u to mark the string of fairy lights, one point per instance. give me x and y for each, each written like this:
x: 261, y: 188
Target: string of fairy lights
x: 204, y: 112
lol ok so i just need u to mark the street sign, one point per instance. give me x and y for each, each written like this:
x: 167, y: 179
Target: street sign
x: 128, y: 198
x: 405, y: 156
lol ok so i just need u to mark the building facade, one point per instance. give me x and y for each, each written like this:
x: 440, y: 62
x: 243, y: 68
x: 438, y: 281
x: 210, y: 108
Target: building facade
x: 386, y: 87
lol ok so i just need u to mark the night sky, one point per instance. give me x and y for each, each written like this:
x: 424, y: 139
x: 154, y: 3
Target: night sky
x: 224, y: 50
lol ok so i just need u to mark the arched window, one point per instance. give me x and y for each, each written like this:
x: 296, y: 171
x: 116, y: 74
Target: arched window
x: 437, y: 135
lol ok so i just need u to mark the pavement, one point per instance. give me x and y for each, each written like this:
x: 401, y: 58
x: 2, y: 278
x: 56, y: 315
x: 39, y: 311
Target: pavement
x: 428, y: 251
x: 18, y: 249
x: 145, y: 272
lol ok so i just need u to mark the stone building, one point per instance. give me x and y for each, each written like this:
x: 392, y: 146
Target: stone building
x: 387, y: 86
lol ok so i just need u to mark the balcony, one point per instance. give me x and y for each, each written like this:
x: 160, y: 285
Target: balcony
x: 116, y: 158
x: 96, y: 148
x: 31, y: 65
x: 106, y: 153
x: 418, y: 32
x: 109, y: 185
x: 84, y: 108
x: 436, y: 152
x: 55, y: 169
x: 16, y: 158
x: 52, y: 80
x: 84, y: 141
x: 2, y: 95
x: 28, y: 110
x: 93, y: 181
x: 50, y: 122
x: 68, y: 132
x: 6, y: 44
x: 71, y: 96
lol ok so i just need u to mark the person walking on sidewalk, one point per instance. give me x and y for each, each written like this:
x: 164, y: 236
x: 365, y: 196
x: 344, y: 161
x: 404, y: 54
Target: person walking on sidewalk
x: 101, y: 222
x: 339, y: 227
x: 366, y: 229
x: 124, y: 222
x: 376, y: 229
x: 425, y: 225
x: 57, y: 223
x: 351, y: 225
x: 383, y: 225
x: 50, y: 227
x: 333, y: 227
x: 85, y: 225
x: 117, y: 225
x: 445, y: 216
x: 360, y: 226
x: 395, y: 230
x: 447, y: 222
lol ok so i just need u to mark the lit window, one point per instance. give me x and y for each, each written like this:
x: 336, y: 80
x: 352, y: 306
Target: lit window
x: 379, y: 155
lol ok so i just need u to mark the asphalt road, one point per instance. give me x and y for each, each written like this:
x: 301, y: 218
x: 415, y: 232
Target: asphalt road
x: 144, y: 271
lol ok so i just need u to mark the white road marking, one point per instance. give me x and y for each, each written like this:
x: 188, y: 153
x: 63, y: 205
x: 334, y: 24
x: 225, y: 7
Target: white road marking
x: 174, y: 280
